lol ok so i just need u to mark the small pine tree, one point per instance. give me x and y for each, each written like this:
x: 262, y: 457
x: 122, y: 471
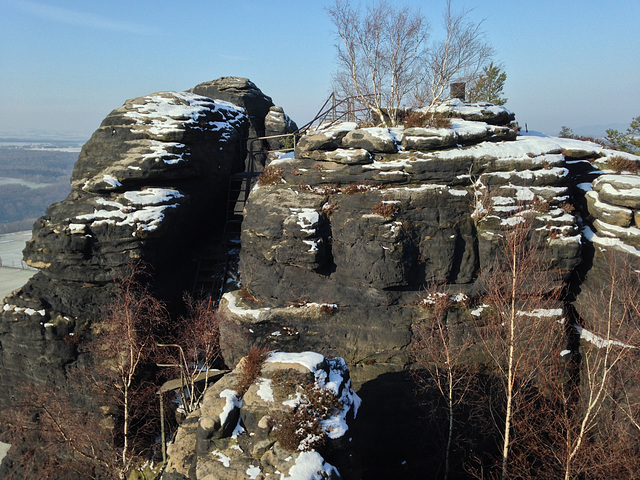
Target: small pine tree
x: 489, y: 86
x: 628, y: 141
x: 566, y: 132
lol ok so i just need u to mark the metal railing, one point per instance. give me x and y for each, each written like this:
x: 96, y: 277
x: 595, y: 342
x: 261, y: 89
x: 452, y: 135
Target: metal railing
x: 336, y: 110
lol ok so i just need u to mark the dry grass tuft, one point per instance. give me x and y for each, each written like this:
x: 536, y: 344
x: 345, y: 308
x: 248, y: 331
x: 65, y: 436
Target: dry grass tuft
x: 387, y: 210
x: 621, y: 164
x: 249, y: 368
x: 271, y: 175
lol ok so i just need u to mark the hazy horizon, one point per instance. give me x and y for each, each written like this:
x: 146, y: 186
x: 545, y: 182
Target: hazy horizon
x: 68, y: 63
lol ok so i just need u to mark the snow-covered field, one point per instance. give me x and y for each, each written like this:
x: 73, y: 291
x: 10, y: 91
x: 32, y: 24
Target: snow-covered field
x: 14, y: 273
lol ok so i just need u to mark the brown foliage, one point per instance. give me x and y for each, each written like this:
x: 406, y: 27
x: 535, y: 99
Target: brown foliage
x: 250, y: 367
x: 123, y: 348
x: 386, y: 209
x: 271, y: 175
x: 195, y: 349
x: 246, y: 295
x: 621, y: 164
x: 51, y: 432
x: 301, y: 429
x: 519, y: 338
x: 422, y: 119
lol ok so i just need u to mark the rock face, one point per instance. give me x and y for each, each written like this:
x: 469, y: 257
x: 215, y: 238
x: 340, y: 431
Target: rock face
x: 339, y: 243
x: 361, y: 220
x: 265, y: 119
x: 149, y: 184
x: 248, y: 436
x: 141, y: 186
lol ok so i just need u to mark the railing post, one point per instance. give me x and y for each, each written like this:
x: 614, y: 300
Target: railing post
x: 333, y: 106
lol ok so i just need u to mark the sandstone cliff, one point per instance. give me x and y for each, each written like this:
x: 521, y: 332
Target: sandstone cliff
x: 338, y: 240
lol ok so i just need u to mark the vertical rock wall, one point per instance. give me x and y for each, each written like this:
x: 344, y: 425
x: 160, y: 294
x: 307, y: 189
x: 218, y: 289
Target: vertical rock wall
x: 150, y: 185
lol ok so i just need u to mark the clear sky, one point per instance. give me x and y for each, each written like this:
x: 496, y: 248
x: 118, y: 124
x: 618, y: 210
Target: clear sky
x: 65, y: 64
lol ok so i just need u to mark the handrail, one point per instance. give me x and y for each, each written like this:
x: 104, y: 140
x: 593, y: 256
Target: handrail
x: 336, y: 115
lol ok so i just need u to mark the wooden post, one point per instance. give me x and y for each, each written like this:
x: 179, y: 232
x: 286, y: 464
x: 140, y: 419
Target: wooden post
x: 162, y: 434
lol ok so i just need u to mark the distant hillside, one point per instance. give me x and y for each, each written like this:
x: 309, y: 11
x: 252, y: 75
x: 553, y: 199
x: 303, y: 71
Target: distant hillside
x: 31, y: 180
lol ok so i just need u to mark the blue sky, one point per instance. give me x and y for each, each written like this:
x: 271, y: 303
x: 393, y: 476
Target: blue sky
x: 65, y: 64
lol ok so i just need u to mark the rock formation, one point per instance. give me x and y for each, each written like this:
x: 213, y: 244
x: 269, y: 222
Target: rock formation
x: 151, y: 185
x: 265, y: 119
x: 339, y: 241
x: 363, y: 218
x: 236, y: 436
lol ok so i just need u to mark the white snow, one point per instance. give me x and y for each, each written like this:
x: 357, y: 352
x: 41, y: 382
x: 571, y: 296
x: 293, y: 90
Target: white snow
x: 623, y: 181
x: 160, y: 151
x: 265, y: 392
x: 111, y: 180
x: 253, y: 472
x: 152, y: 196
x: 232, y: 401
x: 29, y: 311
x: 606, y: 208
x: 310, y: 360
x: 148, y: 218
x: 478, y: 311
x: 598, y: 341
x: 313, y: 245
x: 541, y: 312
x: 604, y: 242
x: 234, y: 308
x: 334, y: 129
x: 222, y: 458
x: 168, y: 112
x: 307, y: 219
x: 310, y: 466
x: 565, y: 352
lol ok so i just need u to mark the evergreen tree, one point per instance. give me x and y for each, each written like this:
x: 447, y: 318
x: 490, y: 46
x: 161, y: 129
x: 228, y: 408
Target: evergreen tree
x: 628, y: 141
x: 489, y: 86
x: 566, y: 132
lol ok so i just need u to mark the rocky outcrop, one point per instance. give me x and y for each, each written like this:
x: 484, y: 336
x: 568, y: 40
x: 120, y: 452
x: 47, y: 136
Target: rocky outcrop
x: 361, y: 220
x: 339, y: 243
x: 151, y: 182
x: 265, y: 119
x: 141, y: 187
x: 292, y: 422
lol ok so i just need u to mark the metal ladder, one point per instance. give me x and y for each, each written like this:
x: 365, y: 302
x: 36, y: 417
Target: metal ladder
x: 217, y: 268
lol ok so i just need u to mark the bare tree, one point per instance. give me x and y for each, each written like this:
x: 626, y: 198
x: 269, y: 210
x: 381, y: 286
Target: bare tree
x: 52, y: 431
x: 196, y: 350
x: 386, y: 62
x: 123, y: 347
x: 519, y: 330
x: 604, y: 422
x: 459, y: 56
x: 443, y: 359
x: 381, y: 54
x: 99, y: 423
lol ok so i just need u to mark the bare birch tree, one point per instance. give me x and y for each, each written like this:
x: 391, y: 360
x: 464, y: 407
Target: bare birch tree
x: 459, y: 56
x: 381, y: 54
x: 600, y: 417
x: 443, y: 359
x: 386, y: 62
x: 123, y: 346
x: 195, y: 350
x: 520, y: 331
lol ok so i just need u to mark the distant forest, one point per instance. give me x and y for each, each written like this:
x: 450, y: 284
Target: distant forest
x: 20, y: 205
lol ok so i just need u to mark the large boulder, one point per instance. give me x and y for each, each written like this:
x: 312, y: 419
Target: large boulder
x: 242, y: 92
x: 294, y: 420
x: 141, y: 184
